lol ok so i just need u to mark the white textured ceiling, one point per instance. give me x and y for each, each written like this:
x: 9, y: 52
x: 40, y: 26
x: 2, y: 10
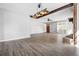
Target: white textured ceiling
x: 52, y: 6
x: 30, y: 8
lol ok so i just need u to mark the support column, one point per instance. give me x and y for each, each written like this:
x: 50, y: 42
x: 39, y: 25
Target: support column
x: 74, y: 23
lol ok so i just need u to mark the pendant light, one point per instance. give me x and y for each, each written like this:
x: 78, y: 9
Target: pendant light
x: 39, y: 13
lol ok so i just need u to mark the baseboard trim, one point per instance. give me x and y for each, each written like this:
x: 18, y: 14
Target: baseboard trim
x: 15, y: 39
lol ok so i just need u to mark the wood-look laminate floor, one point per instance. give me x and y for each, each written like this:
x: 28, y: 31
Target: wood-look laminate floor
x: 44, y: 44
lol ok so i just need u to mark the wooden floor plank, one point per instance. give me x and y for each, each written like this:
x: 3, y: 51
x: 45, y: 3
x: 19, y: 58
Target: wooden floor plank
x: 44, y: 44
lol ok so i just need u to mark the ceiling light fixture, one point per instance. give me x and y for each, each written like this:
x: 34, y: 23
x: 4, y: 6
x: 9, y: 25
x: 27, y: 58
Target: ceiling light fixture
x: 40, y: 13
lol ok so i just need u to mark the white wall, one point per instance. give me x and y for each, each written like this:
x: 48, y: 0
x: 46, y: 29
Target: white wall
x: 53, y: 27
x: 1, y: 24
x: 37, y: 27
x: 16, y: 23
